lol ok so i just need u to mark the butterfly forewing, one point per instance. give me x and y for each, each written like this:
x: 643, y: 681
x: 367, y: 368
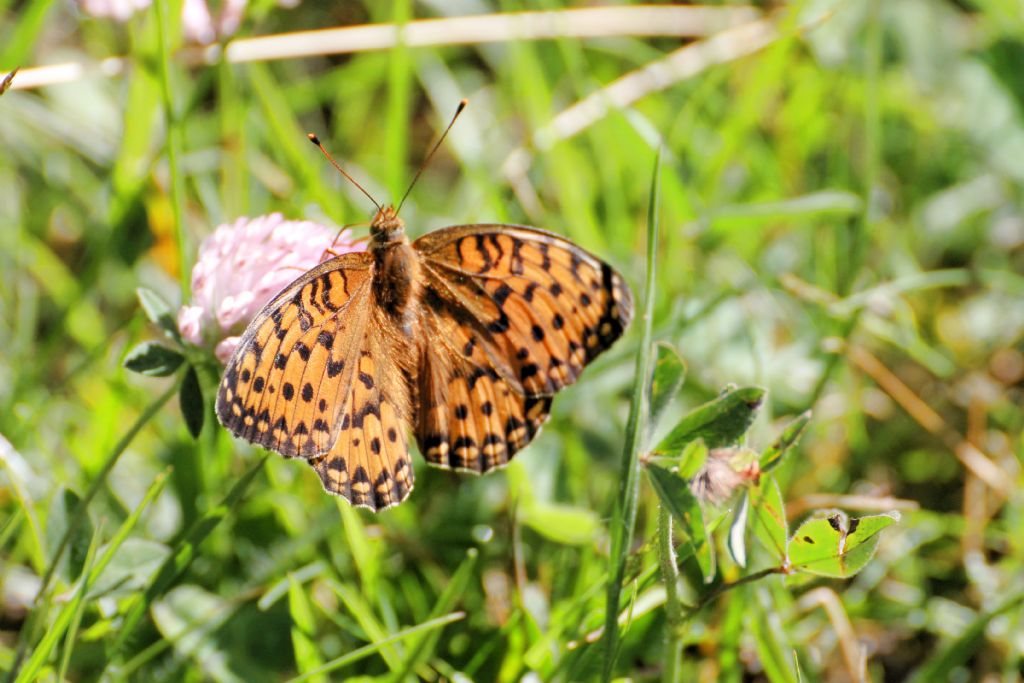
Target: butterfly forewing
x: 547, y: 307
x: 284, y: 386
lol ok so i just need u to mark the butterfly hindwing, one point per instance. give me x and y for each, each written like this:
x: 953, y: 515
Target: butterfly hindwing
x: 546, y: 306
x: 468, y: 417
x: 369, y: 463
x: 284, y: 386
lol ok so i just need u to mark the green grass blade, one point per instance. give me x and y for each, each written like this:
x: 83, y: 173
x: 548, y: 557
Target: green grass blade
x: 963, y: 647
x: 290, y: 139
x: 69, y: 615
x: 88, y: 579
x: 396, y: 131
x: 359, y: 607
x: 624, y: 515
x: 132, y: 167
x: 25, y: 35
x: 152, y: 493
x: 181, y: 557
x: 363, y: 550
x: 38, y: 551
x: 175, y: 145
x: 774, y: 454
x: 43, y: 597
x: 770, y: 637
x: 234, y: 177
x: 423, y: 646
x: 367, y: 650
x: 307, y: 657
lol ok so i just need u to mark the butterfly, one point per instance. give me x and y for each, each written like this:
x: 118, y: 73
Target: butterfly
x: 464, y: 335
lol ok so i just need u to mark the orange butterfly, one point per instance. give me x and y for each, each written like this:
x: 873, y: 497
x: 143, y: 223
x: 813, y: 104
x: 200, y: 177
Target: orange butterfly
x: 464, y: 334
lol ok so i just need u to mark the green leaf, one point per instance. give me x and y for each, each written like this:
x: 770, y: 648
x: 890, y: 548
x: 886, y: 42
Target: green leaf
x: 307, y: 656
x: 130, y: 567
x: 187, y: 617
x: 675, y: 494
x: 191, y: 400
x: 774, y: 454
x: 63, y: 508
x: 564, y: 524
x: 159, y: 312
x: 720, y: 422
x: 769, y: 517
x: 692, y: 459
x: 666, y: 380
x: 835, y: 545
x: 153, y: 359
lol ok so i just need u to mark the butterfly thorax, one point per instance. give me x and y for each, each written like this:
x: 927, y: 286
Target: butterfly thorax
x: 386, y: 227
x: 396, y: 269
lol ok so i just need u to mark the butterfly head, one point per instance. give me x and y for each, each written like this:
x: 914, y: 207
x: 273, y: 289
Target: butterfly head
x: 386, y: 226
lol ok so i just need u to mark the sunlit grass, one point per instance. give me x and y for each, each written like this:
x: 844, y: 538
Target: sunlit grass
x: 840, y: 225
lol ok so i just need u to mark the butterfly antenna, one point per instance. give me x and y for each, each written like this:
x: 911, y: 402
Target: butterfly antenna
x: 316, y: 141
x: 462, y: 105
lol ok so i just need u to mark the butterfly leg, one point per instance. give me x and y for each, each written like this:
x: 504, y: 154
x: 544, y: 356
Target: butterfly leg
x: 329, y: 251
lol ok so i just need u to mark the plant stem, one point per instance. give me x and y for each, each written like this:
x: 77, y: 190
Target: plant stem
x: 725, y: 587
x: 174, y: 144
x: 624, y: 515
x: 673, y: 608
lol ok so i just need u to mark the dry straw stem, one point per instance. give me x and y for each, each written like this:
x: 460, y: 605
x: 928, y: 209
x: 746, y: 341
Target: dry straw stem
x: 854, y: 654
x: 686, y: 62
x: 680, y: 65
x: 861, y: 503
x: 978, y: 507
x: 972, y: 458
x: 691, y: 21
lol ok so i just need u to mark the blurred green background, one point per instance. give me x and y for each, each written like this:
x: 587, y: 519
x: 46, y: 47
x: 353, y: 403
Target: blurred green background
x: 841, y: 223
